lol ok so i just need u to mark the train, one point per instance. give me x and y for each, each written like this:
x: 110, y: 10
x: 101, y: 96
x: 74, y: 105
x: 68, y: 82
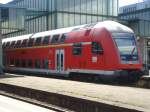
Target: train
x: 105, y: 49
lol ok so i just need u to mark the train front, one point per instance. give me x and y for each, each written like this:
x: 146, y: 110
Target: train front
x: 123, y: 56
x: 129, y: 55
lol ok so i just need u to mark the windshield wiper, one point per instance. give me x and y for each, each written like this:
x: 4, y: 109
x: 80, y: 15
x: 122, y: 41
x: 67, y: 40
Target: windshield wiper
x: 132, y: 53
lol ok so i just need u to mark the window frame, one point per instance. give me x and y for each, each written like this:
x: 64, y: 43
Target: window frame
x: 12, y: 61
x: 8, y: 44
x: 29, y: 63
x: 4, y: 45
x: 30, y: 42
x: 38, y: 42
x: 24, y: 43
x: 18, y: 44
x: 63, y: 38
x: 98, y: 50
x: 54, y: 41
x: 12, y: 45
x: 45, y: 64
x: 77, y: 47
x: 45, y: 42
x: 23, y: 63
x: 17, y: 62
x: 36, y: 63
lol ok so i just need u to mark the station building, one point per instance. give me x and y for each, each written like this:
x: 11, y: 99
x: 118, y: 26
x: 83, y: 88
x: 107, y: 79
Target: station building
x: 138, y: 18
x: 43, y: 15
x: 9, y: 17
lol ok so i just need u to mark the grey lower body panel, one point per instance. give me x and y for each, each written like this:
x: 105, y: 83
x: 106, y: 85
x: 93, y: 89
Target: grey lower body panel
x: 105, y: 73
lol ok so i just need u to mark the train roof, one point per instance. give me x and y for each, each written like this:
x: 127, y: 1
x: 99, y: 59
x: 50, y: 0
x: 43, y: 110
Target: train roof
x: 109, y: 25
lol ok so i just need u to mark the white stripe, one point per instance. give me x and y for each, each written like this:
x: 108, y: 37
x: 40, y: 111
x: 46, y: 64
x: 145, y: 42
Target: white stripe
x: 100, y: 72
x: 63, y: 73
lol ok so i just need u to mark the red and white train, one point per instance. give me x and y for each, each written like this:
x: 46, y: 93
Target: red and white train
x: 105, y: 48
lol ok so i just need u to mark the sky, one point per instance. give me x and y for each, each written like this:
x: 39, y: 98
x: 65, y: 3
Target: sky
x: 121, y: 2
x: 127, y: 2
x: 5, y: 1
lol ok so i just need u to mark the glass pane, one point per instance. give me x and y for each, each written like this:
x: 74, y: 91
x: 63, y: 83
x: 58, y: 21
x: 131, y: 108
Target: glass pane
x: 46, y: 64
x: 83, y: 6
x: 58, y: 62
x: 94, y: 7
x: 77, y: 19
x: 77, y: 6
x: 62, y: 61
x: 83, y: 19
x: 89, y: 6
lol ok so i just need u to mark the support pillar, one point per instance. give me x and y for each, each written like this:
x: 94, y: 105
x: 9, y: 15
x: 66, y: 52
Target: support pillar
x: 1, y: 55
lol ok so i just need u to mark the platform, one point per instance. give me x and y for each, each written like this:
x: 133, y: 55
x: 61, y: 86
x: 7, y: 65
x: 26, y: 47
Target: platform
x: 120, y: 96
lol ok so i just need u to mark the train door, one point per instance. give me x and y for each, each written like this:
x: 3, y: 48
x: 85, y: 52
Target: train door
x: 59, y: 60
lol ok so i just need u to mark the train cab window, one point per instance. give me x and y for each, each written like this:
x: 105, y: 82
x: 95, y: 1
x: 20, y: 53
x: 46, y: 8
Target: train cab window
x: 37, y: 63
x: 55, y: 39
x: 24, y: 43
x: 30, y: 63
x: 7, y: 44
x: 17, y: 45
x: 30, y: 42
x: 46, y: 40
x: 77, y: 49
x: 63, y: 37
x: 12, y: 44
x: 17, y: 62
x: 38, y: 41
x: 23, y: 63
x: 45, y: 63
x: 97, y: 48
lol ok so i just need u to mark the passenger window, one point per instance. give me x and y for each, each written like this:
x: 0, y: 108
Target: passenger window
x: 7, y: 44
x: 4, y: 44
x: 30, y: 42
x: 97, y: 48
x: 45, y: 64
x: 17, y: 45
x: 12, y: 44
x: 11, y: 61
x: 46, y: 40
x: 55, y: 39
x: 77, y: 49
x: 38, y: 41
x: 63, y: 37
x: 37, y: 63
x: 4, y: 60
x: 17, y: 63
x: 24, y: 43
x: 23, y: 64
x: 30, y: 63
x: 7, y: 60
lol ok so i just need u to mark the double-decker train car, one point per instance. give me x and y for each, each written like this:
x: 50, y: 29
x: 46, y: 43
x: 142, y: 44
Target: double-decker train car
x: 103, y: 49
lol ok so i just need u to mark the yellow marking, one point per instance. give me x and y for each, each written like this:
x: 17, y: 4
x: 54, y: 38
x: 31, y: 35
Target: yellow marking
x: 35, y: 47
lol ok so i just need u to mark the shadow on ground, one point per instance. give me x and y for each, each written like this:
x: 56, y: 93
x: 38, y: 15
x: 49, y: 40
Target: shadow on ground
x: 10, y: 76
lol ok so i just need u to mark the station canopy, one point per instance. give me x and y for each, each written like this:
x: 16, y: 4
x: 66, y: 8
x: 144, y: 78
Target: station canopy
x: 12, y: 18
